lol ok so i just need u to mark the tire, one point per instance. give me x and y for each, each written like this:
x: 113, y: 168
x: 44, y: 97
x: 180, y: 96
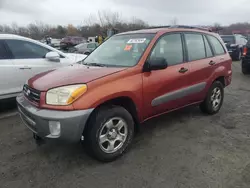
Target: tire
x: 244, y: 70
x: 39, y: 141
x: 103, y: 124
x: 210, y: 107
x: 86, y: 53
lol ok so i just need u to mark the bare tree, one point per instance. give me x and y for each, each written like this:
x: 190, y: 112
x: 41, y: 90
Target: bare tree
x: 90, y: 20
x: 174, y: 21
x: 108, y: 18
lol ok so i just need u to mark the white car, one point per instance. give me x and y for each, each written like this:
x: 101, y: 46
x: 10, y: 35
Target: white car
x: 22, y: 58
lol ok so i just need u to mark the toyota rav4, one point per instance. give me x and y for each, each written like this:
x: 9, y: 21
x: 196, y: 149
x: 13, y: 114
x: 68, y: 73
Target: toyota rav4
x: 130, y: 78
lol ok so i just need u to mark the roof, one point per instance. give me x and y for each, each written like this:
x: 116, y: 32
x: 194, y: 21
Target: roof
x: 11, y: 36
x: 155, y: 30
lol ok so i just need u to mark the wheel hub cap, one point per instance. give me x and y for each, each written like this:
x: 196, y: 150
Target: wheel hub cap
x: 113, y: 135
x: 216, y: 98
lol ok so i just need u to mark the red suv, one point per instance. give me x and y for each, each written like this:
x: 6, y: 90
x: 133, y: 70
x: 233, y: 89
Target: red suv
x: 130, y: 78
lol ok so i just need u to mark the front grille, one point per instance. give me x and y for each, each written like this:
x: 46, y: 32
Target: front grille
x: 32, y: 94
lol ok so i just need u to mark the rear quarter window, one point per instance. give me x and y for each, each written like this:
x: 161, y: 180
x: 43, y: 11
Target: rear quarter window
x: 216, y: 44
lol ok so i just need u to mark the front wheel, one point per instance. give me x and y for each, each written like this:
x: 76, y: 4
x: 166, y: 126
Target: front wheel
x: 214, y: 99
x: 109, y: 133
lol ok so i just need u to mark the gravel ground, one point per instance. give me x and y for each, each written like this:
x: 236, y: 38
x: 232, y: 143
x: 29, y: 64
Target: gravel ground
x: 184, y: 149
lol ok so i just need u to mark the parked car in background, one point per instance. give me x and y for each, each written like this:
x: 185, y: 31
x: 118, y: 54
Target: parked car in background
x: 84, y: 48
x: 91, y: 39
x: 55, y: 43
x: 130, y: 78
x: 245, y: 61
x: 71, y: 41
x: 235, y: 45
x: 22, y: 58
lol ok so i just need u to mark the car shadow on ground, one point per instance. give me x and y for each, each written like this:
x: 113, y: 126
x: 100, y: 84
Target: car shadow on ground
x: 7, y: 105
x: 76, y: 154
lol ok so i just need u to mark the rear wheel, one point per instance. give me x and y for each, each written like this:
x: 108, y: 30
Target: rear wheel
x: 109, y: 133
x: 214, y: 99
x: 244, y: 70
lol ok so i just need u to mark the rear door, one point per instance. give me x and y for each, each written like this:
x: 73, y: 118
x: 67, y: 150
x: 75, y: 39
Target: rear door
x: 222, y: 58
x: 201, y: 62
x: 8, y: 82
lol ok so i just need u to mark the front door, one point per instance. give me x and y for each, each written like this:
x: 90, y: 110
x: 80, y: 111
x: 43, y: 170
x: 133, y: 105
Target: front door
x: 29, y: 60
x: 165, y: 90
x: 8, y: 82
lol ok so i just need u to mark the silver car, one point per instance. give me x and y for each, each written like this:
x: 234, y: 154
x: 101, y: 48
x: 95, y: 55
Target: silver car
x: 84, y: 48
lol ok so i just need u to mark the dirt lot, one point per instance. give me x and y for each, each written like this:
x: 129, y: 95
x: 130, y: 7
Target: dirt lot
x: 184, y: 149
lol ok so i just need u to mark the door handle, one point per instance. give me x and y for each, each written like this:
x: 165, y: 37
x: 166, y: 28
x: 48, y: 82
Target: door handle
x: 183, y: 70
x: 211, y: 63
x: 23, y: 68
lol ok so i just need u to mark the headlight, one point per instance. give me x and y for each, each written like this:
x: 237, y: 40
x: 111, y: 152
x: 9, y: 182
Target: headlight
x: 65, y: 95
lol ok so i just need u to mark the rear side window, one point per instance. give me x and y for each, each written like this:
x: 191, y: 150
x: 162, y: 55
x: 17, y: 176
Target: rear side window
x: 3, y: 51
x: 218, y: 48
x: 170, y: 48
x: 195, y: 47
x: 26, y: 50
x: 209, y: 52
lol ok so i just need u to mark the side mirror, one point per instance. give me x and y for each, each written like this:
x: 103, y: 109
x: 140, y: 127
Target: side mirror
x: 53, y: 56
x: 157, y: 63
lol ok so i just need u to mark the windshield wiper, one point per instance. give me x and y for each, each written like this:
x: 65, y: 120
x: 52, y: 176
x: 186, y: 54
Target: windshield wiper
x: 94, y: 64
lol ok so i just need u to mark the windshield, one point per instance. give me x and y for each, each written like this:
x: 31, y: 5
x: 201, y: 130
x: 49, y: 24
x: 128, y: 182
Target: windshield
x: 120, y: 50
x: 228, y: 39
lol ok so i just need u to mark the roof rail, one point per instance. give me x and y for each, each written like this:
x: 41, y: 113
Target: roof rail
x: 183, y: 26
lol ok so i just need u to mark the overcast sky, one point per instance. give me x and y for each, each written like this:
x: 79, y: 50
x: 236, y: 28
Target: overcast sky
x: 153, y: 12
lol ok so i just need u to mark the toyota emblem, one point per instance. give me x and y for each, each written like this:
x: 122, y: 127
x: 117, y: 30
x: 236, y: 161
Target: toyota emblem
x: 27, y: 92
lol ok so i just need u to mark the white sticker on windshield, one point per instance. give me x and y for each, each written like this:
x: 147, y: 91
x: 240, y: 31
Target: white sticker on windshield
x: 136, y: 41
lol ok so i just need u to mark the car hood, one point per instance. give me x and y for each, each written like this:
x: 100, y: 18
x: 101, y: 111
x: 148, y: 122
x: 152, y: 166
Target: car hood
x: 76, y: 57
x: 69, y: 75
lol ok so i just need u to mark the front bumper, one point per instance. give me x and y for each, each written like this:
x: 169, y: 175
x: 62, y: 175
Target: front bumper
x: 72, y: 123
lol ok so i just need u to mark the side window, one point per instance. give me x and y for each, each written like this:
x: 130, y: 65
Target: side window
x: 218, y: 48
x: 195, y: 47
x: 208, y: 48
x: 91, y: 45
x: 26, y: 50
x: 3, y: 51
x: 82, y: 46
x: 170, y: 48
